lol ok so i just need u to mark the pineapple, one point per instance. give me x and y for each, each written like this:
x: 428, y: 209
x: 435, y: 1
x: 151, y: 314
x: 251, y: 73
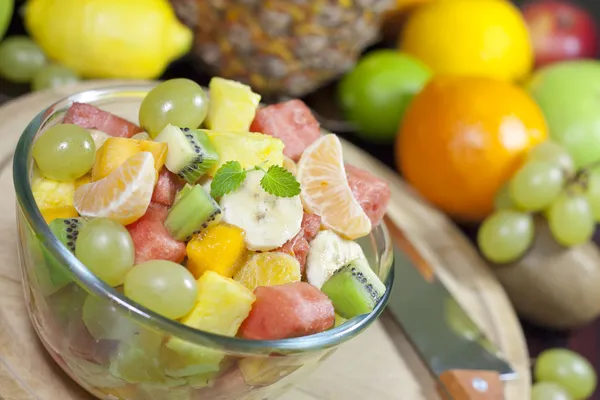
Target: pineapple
x: 269, y: 269
x: 221, y: 307
x: 116, y: 150
x: 281, y: 47
x: 248, y: 148
x: 53, y: 198
x: 220, y: 248
x: 232, y: 105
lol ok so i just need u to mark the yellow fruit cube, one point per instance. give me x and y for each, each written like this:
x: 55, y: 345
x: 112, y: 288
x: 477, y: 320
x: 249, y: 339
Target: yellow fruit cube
x: 232, y: 105
x: 269, y: 269
x: 61, y: 212
x: 248, y: 148
x: 116, y: 150
x: 220, y: 248
x: 221, y: 307
x: 53, y: 198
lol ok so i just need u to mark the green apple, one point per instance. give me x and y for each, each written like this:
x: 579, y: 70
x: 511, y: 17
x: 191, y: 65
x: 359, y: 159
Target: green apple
x: 569, y: 96
x: 376, y: 93
x: 6, y: 11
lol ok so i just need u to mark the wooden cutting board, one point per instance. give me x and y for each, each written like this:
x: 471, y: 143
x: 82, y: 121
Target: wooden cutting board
x: 378, y: 365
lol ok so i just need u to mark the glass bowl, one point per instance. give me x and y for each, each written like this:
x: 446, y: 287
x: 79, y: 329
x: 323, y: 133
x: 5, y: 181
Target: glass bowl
x: 115, y: 348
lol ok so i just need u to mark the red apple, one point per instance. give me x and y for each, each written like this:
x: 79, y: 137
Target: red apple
x: 560, y: 31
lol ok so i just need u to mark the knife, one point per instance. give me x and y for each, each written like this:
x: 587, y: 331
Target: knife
x: 455, y: 350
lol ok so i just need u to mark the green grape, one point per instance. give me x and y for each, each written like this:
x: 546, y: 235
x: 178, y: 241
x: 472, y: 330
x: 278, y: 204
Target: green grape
x: 137, y: 358
x: 502, y: 200
x: 568, y: 369
x: 593, y: 192
x: 535, y: 185
x: 104, y: 321
x: 179, y: 102
x: 549, y: 391
x: 64, y: 152
x: 570, y: 219
x: 505, y: 236
x: 162, y: 286
x: 53, y: 76
x: 106, y: 249
x: 20, y: 59
x: 553, y: 153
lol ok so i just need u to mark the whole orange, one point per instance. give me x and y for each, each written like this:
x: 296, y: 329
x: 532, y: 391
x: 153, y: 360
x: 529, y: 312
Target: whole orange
x: 462, y: 138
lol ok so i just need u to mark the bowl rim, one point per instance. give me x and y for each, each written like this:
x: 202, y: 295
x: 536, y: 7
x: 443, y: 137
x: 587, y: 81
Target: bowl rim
x: 22, y: 167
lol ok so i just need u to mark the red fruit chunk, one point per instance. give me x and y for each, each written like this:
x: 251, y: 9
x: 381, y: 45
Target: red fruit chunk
x: 151, y: 239
x: 166, y: 188
x: 311, y: 223
x: 292, y: 122
x: 372, y: 193
x: 90, y: 117
x: 298, y: 245
x: 286, y: 311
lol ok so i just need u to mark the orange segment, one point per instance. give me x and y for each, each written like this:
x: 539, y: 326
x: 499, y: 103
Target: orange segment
x: 325, y: 190
x: 269, y: 269
x: 124, y: 195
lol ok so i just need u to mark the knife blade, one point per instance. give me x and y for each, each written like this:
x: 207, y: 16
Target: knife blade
x: 466, y: 364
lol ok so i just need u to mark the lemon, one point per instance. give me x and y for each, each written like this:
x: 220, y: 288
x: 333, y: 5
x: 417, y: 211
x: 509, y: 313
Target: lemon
x: 134, y: 39
x: 486, y: 38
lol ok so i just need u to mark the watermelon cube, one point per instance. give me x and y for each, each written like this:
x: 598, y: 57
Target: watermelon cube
x: 90, y: 117
x: 311, y: 223
x: 166, y: 188
x: 371, y: 192
x: 286, y: 311
x: 151, y: 239
x: 298, y: 245
x: 290, y: 121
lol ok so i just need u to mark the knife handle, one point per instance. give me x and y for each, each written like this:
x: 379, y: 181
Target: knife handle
x: 471, y: 385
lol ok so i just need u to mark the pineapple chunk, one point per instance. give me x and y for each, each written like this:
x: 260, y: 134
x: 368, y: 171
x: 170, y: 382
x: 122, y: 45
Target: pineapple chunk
x: 222, y: 305
x: 232, y: 105
x: 116, y: 150
x: 248, y: 148
x: 53, y: 198
x: 220, y: 248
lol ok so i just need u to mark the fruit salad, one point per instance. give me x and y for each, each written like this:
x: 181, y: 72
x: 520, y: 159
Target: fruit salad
x: 226, y: 216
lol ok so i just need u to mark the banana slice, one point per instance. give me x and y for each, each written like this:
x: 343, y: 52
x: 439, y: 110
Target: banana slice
x: 328, y: 252
x: 269, y: 221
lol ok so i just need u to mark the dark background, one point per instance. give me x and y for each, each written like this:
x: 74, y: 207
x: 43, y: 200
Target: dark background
x: 585, y: 340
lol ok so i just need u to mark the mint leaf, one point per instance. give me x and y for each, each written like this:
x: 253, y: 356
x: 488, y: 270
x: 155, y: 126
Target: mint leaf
x: 227, y: 178
x: 280, y: 182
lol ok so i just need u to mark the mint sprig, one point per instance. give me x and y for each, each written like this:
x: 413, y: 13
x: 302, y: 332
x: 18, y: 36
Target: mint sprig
x: 277, y: 180
x: 228, y: 178
x: 280, y: 182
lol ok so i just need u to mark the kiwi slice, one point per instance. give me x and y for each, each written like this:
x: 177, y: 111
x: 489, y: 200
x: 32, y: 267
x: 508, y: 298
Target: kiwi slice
x: 194, y: 211
x: 184, y: 190
x: 67, y: 230
x: 190, y: 152
x: 354, y: 289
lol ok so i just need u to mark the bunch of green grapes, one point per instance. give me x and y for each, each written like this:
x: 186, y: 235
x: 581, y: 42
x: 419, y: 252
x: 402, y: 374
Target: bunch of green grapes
x: 547, y: 183
x: 22, y: 61
x: 561, y: 374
